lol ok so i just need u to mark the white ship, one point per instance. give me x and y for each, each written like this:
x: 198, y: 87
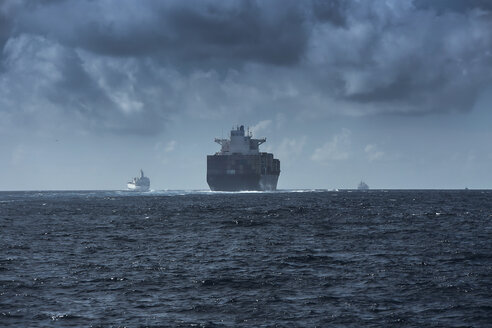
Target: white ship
x: 141, y: 183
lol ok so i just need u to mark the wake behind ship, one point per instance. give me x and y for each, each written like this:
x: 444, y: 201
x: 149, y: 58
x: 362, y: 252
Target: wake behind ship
x: 240, y: 166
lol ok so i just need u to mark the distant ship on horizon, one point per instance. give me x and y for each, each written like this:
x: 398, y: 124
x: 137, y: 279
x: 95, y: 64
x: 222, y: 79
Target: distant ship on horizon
x: 141, y: 183
x: 362, y: 186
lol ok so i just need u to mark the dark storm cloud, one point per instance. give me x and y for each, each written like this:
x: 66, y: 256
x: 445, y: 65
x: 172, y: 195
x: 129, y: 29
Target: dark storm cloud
x: 334, y: 11
x: 190, y: 31
x: 244, y: 33
x: 399, y: 58
x: 459, y: 6
x: 128, y: 65
x: 5, y: 26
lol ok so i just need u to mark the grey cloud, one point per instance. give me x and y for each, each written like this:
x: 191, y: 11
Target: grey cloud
x: 403, y: 58
x: 6, y: 24
x: 47, y: 85
x: 458, y: 6
x: 130, y: 69
x: 4, y: 29
x: 334, y: 11
x: 247, y: 33
x: 201, y: 32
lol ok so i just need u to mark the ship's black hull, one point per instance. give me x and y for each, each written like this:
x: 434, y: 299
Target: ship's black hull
x: 242, y: 172
x: 242, y: 182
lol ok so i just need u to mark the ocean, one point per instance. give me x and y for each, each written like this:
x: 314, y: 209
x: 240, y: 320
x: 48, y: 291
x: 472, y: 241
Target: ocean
x: 276, y: 259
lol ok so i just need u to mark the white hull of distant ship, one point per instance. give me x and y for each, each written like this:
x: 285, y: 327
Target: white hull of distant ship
x: 240, y: 166
x: 141, y: 183
x: 133, y: 187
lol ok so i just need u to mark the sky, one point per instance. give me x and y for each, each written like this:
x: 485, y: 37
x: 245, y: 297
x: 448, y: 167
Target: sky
x: 395, y: 93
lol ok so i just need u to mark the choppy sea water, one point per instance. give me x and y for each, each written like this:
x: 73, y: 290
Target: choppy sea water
x: 279, y: 259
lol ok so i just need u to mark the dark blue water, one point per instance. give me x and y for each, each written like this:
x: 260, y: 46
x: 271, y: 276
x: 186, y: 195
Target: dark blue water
x: 284, y: 259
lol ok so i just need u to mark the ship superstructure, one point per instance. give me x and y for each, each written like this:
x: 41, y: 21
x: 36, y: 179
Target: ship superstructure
x: 141, y: 183
x: 240, y: 165
x: 363, y: 186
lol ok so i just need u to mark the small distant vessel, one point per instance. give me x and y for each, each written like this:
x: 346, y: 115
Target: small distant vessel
x: 141, y: 183
x: 362, y: 186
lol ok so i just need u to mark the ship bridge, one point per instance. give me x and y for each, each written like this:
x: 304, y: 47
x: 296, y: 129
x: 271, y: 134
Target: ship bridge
x: 240, y: 143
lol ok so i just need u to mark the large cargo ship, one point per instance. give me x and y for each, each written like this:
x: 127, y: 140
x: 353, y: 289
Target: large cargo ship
x: 241, y: 166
